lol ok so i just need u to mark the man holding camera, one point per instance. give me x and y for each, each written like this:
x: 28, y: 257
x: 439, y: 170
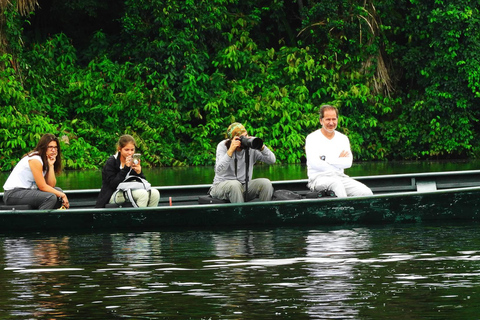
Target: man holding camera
x: 328, y: 154
x: 234, y: 155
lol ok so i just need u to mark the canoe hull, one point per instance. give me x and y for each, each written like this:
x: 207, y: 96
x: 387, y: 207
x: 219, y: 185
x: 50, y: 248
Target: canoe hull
x: 458, y: 204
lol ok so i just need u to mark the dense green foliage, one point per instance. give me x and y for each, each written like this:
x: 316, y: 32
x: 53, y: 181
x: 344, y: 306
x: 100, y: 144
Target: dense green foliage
x: 175, y: 74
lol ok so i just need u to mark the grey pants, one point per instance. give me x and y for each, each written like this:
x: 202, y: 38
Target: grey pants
x: 35, y: 198
x: 233, y: 190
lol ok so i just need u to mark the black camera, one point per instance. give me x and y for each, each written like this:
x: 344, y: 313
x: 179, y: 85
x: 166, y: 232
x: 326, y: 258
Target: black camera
x: 254, y: 143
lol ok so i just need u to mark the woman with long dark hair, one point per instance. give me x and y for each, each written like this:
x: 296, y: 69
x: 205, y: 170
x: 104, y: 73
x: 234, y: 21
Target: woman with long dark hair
x: 33, y: 180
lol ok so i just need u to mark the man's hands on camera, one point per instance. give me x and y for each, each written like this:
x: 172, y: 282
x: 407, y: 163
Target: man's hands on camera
x: 234, y: 145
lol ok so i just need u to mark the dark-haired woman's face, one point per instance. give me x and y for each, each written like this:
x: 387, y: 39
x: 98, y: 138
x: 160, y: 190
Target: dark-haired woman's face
x: 52, y: 150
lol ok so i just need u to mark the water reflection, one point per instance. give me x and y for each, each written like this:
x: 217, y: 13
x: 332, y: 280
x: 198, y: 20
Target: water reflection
x: 32, y: 260
x: 332, y: 257
x: 136, y: 248
x: 18, y: 253
x: 325, y: 273
x: 247, y: 243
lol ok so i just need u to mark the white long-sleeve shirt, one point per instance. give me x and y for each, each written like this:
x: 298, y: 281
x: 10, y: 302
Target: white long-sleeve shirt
x: 317, y: 145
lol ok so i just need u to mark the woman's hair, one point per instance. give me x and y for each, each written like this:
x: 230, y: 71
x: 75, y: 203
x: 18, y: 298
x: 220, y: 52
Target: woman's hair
x: 124, y: 140
x: 41, y: 150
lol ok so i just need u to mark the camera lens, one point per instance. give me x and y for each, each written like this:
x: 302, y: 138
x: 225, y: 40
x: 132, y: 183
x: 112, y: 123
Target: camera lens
x: 254, y: 143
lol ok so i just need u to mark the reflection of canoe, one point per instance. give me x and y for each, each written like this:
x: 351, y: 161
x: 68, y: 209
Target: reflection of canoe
x: 397, y: 198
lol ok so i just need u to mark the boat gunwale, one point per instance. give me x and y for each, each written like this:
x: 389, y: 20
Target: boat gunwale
x: 299, y: 181
x: 234, y: 205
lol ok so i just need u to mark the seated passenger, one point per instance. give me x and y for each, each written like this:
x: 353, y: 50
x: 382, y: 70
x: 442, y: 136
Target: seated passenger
x: 116, y: 169
x: 230, y: 168
x: 32, y: 181
x: 328, y: 154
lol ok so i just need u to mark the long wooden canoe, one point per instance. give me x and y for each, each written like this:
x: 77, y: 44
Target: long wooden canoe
x: 432, y: 196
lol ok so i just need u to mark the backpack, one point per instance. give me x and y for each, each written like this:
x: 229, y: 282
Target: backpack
x: 131, y: 183
x: 286, y: 195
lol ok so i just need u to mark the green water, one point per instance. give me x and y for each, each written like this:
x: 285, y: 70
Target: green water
x: 204, y: 175
x: 384, y: 272
x: 397, y: 271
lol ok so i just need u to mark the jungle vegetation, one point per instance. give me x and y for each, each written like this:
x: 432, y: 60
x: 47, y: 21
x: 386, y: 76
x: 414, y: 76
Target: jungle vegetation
x: 405, y: 75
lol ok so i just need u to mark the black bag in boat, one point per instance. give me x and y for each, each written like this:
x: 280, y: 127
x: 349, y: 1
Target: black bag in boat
x: 286, y: 195
x: 320, y: 194
x: 208, y: 199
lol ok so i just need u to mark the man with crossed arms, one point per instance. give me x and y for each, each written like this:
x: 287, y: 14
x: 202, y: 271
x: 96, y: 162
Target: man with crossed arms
x: 328, y: 154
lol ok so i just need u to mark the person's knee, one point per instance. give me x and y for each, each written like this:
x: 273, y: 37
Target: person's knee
x: 364, y: 191
x: 51, y: 202
x: 141, y: 197
x: 319, y: 187
x: 262, y: 188
x: 235, y: 185
x: 329, y: 184
x: 324, y: 184
x: 368, y: 191
x: 154, y: 198
x: 338, y: 189
x: 264, y: 183
x: 234, y: 188
x: 267, y: 188
x: 234, y: 191
x: 154, y: 193
x: 359, y: 190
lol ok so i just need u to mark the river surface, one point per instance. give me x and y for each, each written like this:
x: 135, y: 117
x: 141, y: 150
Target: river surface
x: 396, y: 271
x: 385, y: 272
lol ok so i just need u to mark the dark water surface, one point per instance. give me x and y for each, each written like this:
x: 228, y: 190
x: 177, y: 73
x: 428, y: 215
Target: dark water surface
x: 401, y: 271
x: 385, y: 272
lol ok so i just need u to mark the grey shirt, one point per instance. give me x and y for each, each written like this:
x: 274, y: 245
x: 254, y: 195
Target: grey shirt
x: 225, y: 165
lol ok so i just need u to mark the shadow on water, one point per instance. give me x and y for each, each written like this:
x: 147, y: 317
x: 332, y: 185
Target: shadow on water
x: 204, y: 174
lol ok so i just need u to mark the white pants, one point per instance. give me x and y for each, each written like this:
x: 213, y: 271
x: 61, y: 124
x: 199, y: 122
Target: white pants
x: 341, y: 184
x: 143, y: 198
x: 233, y: 190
